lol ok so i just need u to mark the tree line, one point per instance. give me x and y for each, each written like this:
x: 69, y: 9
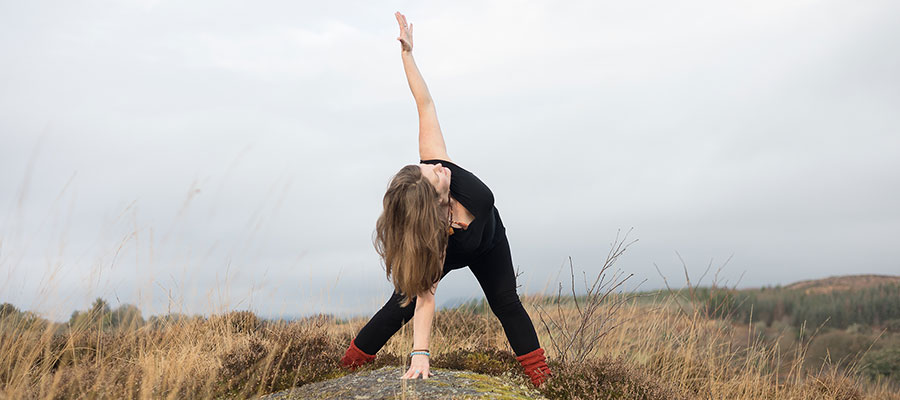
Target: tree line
x: 99, y: 316
x: 873, y: 306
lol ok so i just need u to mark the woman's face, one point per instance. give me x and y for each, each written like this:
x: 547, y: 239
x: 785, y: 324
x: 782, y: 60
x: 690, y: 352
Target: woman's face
x: 439, y: 176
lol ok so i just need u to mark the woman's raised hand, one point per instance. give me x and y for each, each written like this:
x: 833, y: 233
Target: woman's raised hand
x: 406, y: 37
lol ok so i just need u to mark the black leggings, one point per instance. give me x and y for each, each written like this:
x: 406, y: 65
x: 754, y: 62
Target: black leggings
x: 494, y: 271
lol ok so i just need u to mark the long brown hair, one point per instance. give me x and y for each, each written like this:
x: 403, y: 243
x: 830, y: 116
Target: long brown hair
x: 411, y: 234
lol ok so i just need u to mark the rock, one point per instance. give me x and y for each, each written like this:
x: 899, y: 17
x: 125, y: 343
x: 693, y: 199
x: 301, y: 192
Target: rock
x: 385, y: 383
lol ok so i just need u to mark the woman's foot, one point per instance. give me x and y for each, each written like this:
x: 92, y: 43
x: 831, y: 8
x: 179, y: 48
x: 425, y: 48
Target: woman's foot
x: 535, y: 366
x: 354, y: 357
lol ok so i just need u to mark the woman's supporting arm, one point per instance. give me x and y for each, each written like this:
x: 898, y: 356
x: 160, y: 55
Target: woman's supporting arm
x: 422, y: 319
x: 431, y: 140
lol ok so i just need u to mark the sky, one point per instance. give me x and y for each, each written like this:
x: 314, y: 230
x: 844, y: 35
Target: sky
x: 207, y: 156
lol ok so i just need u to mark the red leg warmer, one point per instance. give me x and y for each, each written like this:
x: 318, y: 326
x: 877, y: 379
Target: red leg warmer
x: 535, y: 366
x: 354, y: 357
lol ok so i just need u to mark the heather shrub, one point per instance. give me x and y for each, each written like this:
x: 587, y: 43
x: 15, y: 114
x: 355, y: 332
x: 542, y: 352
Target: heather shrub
x: 304, y: 353
x: 280, y: 356
x: 240, y: 362
x: 236, y: 322
x: 605, y: 378
x: 482, y: 361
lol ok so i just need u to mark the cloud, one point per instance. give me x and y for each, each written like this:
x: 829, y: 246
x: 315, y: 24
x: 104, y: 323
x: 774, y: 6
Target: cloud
x: 260, y: 139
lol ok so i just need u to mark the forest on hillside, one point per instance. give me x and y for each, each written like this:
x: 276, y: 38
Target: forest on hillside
x: 853, y: 328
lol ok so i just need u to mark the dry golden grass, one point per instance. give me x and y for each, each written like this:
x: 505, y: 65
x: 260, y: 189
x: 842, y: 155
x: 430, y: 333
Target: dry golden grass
x: 657, y: 352
x: 708, y: 358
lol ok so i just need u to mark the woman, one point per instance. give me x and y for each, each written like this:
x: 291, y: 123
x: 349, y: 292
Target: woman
x: 439, y: 217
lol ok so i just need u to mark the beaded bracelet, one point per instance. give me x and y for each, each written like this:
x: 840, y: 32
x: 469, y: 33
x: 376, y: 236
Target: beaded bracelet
x: 415, y: 353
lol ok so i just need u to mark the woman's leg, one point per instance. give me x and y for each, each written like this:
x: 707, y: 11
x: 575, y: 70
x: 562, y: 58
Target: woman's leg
x: 386, y: 322
x: 389, y: 319
x: 494, y: 271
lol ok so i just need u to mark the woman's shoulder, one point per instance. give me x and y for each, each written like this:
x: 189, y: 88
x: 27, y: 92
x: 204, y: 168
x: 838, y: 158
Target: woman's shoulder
x: 470, y: 190
x: 454, y: 167
x: 442, y: 160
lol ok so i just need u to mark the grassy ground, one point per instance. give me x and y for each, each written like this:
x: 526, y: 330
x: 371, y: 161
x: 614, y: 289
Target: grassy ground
x: 655, y: 351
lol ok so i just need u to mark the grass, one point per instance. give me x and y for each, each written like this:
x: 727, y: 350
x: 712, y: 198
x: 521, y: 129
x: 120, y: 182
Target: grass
x: 657, y: 351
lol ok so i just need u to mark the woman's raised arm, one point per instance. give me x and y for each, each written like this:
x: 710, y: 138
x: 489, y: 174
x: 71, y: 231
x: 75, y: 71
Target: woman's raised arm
x: 431, y: 140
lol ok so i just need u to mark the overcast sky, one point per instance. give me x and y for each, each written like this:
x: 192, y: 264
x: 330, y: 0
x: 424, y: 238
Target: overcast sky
x: 210, y: 155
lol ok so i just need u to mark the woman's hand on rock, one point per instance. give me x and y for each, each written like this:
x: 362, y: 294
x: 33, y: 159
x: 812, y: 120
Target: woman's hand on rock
x: 418, y: 367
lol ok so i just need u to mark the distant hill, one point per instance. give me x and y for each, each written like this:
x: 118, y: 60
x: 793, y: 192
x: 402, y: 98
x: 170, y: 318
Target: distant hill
x: 843, y: 283
x: 841, y: 301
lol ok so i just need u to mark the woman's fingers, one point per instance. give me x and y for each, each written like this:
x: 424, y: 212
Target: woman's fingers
x: 401, y: 19
x: 414, y: 373
x: 405, y: 37
x: 404, y: 28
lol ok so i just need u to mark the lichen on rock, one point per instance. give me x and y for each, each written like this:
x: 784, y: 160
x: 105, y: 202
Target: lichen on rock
x: 385, y: 383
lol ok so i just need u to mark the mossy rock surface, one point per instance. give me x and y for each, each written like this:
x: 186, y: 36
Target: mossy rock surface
x: 385, y: 383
